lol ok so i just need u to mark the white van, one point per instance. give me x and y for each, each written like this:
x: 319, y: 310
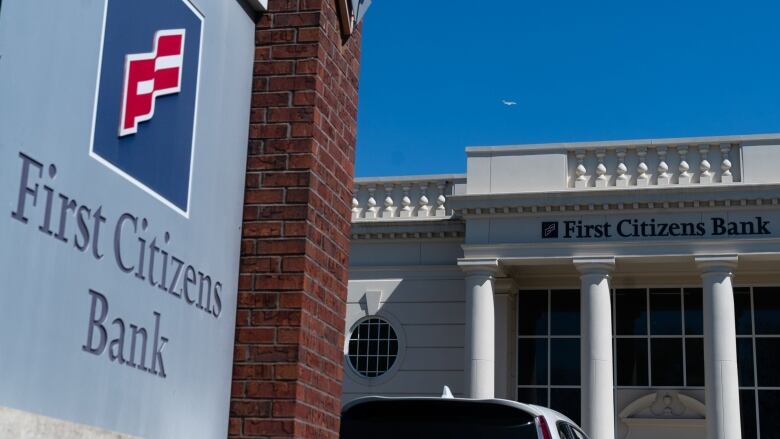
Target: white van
x: 376, y: 417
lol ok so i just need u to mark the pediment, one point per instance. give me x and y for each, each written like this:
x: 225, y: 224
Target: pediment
x: 665, y: 413
x: 664, y: 404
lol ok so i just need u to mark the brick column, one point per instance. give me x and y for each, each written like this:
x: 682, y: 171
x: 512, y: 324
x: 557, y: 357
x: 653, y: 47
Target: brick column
x: 288, y: 356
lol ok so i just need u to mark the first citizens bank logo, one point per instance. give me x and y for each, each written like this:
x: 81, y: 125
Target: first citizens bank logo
x: 549, y: 229
x: 146, y: 100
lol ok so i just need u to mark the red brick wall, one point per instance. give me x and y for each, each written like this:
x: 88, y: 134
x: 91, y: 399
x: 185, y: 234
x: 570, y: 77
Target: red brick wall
x: 288, y: 356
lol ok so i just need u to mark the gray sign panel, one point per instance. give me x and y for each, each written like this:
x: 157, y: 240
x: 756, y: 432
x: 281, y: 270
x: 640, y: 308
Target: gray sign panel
x: 123, y: 132
x: 696, y: 226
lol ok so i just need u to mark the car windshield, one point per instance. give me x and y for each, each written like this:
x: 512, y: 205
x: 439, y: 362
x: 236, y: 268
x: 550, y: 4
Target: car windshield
x: 452, y: 419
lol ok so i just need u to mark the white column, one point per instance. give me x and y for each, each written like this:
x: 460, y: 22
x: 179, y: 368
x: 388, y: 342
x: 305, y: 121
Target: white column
x: 598, y: 411
x: 720, y: 347
x: 480, y: 328
x: 503, y: 296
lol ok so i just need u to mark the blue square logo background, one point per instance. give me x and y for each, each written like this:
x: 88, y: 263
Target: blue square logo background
x: 549, y: 229
x: 159, y: 156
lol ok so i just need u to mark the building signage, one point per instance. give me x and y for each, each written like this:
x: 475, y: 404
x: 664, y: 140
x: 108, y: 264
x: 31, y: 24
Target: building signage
x: 123, y: 136
x: 654, y: 228
x: 137, y: 251
x: 147, y: 95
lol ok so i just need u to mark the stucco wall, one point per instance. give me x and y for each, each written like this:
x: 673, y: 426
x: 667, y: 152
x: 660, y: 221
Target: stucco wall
x: 422, y: 295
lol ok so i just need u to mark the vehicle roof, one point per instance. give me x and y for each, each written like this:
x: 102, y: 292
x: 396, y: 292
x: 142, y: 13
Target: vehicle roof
x: 532, y: 409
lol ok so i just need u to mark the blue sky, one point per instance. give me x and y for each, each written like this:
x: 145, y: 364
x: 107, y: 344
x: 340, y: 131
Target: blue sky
x: 434, y: 73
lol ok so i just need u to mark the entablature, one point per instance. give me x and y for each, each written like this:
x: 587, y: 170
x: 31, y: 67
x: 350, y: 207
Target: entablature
x: 441, y: 228
x: 628, y: 199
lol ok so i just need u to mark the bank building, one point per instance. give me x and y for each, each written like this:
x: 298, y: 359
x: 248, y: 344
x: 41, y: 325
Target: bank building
x: 632, y: 285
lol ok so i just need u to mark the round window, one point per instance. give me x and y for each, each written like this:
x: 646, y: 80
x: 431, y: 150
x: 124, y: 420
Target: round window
x: 373, y: 347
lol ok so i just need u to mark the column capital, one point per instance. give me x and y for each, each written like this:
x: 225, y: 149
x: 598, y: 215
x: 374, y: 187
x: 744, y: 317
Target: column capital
x: 487, y: 267
x: 710, y: 264
x: 603, y: 266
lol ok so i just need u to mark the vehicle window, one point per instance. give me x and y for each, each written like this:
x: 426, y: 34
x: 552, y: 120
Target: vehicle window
x: 563, y: 430
x: 436, y: 419
x: 577, y: 433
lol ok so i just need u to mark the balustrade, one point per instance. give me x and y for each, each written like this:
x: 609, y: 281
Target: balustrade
x: 403, y: 198
x: 623, y: 166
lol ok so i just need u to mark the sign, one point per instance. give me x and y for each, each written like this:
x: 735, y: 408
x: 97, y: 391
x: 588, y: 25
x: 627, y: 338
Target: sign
x: 150, y: 75
x: 652, y: 228
x: 123, y: 136
x: 148, y: 93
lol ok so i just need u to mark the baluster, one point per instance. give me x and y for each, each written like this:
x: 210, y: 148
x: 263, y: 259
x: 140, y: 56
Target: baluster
x: 725, y: 166
x: 664, y: 177
x: 622, y: 179
x: 642, y: 178
x: 440, y: 200
x: 685, y: 176
x: 601, y: 170
x: 406, y: 210
x: 388, y: 211
x: 581, y: 181
x: 424, y: 209
x: 705, y: 174
x: 371, y: 211
x: 355, y: 204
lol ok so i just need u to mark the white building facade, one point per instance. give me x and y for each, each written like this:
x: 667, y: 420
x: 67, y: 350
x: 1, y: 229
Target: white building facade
x: 632, y: 285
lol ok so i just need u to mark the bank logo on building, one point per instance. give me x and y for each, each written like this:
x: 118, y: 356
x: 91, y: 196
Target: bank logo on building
x: 146, y: 100
x: 549, y: 229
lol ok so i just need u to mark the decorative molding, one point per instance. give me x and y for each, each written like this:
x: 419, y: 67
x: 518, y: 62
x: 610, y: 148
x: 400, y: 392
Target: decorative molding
x: 566, y: 208
x: 698, y: 197
x: 487, y: 267
x: 421, y: 228
x: 407, y: 235
x: 544, y: 253
x: 664, y: 404
x: 403, y: 198
x: 608, y: 167
x: 650, y: 143
x: 594, y: 265
x: 664, y: 413
x: 725, y: 264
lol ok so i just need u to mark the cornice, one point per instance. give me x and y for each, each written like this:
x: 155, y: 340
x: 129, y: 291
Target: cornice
x: 612, y: 199
x: 440, y: 228
x: 567, y: 146
x: 399, y: 179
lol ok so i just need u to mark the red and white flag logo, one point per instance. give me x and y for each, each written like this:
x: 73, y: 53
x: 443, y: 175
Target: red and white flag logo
x: 150, y: 75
